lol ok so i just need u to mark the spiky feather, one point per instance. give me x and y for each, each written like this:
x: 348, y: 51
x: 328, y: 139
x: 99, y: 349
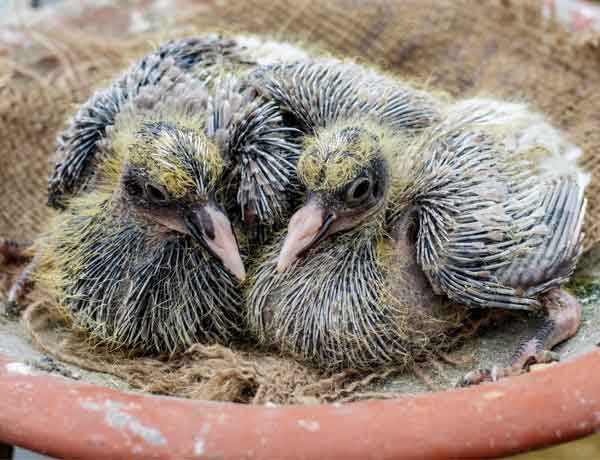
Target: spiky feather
x: 251, y: 132
x: 126, y: 287
x: 491, y: 233
x: 335, y: 308
x: 181, y: 119
x: 321, y: 92
x: 194, y: 82
x: 467, y: 215
x: 78, y: 145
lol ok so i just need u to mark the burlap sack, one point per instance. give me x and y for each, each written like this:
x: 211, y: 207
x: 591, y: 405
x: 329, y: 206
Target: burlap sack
x: 500, y: 48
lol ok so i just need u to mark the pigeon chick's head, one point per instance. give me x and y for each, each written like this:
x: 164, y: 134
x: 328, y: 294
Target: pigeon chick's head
x: 168, y: 174
x: 346, y: 172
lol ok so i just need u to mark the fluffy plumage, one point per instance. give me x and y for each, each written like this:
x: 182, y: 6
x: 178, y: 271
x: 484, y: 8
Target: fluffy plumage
x: 260, y: 151
x: 316, y: 93
x: 382, y: 262
x: 152, y: 172
x: 129, y: 287
x: 491, y: 232
x: 336, y: 308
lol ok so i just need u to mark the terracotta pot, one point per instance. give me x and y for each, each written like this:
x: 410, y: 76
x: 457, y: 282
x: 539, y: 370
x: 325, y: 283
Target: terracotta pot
x: 71, y: 419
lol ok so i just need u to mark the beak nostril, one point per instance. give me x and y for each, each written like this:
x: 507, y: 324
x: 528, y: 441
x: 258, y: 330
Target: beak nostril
x: 210, y: 234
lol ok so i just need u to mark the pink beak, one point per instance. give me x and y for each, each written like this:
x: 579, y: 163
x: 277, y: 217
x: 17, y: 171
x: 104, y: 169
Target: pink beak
x: 214, y: 228
x: 224, y: 244
x: 304, y: 228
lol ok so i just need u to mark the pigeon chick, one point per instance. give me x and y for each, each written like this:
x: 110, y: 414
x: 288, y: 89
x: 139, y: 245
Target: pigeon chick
x: 147, y: 257
x: 332, y: 96
x: 248, y: 129
x: 400, y: 236
x: 148, y: 175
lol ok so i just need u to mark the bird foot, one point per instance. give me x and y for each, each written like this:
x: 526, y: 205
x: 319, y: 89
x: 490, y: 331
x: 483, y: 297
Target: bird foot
x: 12, y: 305
x: 563, y: 317
x: 496, y: 373
x: 10, y: 309
x: 48, y: 364
x: 12, y: 250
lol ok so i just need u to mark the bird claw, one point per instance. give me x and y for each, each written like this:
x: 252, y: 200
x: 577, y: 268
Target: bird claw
x: 479, y: 376
x: 496, y: 373
x: 15, y: 251
x: 48, y: 364
x: 542, y: 357
x: 10, y: 309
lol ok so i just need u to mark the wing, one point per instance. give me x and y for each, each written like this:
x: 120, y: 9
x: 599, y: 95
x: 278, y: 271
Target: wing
x: 78, y: 144
x: 318, y: 93
x: 523, y: 131
x: 553, y: 261
x: 490, y: 234
x: 251, y: 132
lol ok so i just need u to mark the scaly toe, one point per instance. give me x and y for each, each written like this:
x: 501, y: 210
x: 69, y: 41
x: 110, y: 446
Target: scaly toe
x: 10, y: 308
x: 48, y: 364
x: 495, y: 373
x: 479, y: 376
x: 542, y: 357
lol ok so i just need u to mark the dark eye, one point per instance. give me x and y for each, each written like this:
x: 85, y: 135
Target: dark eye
x: 156, y: 194
x: 134, y: 188
x: 359, y: 191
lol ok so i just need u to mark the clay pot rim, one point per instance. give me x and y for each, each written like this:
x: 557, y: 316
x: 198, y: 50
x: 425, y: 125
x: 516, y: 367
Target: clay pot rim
x: 72, y: 419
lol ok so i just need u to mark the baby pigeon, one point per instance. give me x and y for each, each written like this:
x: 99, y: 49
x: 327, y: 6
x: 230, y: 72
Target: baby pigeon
x: 148, y: 174
x: 331, y: 102
x: 400, y: 235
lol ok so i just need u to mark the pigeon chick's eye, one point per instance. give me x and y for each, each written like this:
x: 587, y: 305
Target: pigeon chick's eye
x: 156, y: 194
x: 134, y: 188
x: 359, y: 191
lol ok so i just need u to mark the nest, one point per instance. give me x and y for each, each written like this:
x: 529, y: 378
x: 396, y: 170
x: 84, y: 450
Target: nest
x: 504, y: 49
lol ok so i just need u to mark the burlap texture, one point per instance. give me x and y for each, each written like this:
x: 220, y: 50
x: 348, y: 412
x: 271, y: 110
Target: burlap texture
x: 208, y: 372
x: 499, y: 48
